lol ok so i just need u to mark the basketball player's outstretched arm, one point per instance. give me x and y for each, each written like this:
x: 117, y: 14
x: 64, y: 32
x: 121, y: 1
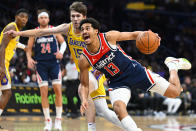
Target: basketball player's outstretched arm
x: 4, y: 42
x: 122, y: 36
x: 62, y: 29
x: 84, y: 82
x: 113, y: 36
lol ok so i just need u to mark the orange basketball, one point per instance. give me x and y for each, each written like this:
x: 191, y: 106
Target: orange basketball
x: 147, y: 42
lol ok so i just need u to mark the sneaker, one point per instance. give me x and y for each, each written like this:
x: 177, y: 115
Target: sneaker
x: 48, y: 125
x: 181, y: 63
x: 57, y: 125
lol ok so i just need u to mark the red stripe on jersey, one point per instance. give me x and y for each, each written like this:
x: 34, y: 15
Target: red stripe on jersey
x: 104, y: 48
x: 59, y: 75
x: 50, y: 26
x: 152, y: 81
x: 124, y: 52
x: 38, y: 77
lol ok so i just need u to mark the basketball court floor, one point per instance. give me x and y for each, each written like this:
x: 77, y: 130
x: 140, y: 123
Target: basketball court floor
x: 147, y: 123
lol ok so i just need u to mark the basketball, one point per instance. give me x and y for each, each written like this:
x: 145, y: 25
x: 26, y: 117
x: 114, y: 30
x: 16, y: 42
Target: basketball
x: 147, y: 42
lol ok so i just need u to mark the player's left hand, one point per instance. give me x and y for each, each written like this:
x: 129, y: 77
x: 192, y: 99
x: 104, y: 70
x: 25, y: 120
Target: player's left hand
x: 157, y: 37
x: 58, y: 55
x: 83, y: 107
x: 96, y: 73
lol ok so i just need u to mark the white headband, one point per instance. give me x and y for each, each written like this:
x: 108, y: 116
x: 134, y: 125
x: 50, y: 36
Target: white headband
x: 43, y: 14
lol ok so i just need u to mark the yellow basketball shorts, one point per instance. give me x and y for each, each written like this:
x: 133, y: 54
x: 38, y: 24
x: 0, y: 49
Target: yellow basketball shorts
x: 100, y: 91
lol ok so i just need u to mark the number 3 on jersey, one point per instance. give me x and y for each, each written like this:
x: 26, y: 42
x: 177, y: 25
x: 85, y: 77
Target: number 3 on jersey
x: 77, y: 52
x: 45, y: 47
x: 112, y: 69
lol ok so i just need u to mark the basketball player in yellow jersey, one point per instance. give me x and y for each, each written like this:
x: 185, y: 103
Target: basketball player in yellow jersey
x: 78, y: 12
x: 7, y: 50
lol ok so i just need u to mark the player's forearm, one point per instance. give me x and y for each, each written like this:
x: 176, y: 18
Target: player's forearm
x: 84, y: 93
x: 135, y: 34
x: 34, y: 33
x: 28, y: 33
x: 28, y: 53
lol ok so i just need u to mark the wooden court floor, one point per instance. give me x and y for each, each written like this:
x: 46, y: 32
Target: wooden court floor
x: 147, y: 123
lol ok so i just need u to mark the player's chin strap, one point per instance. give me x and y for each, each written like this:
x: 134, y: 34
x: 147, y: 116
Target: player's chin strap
x: 20, y: 45
x: 63, y: 47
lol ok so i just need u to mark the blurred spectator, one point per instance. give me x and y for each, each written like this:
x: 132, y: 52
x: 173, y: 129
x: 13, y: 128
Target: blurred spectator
x: 193, y: 93
x: 33, y: 80
x: 13, y: 76
x: 25, y: 78
x: 144, y: 101
x: 187, y: 82
x: 186, y: 98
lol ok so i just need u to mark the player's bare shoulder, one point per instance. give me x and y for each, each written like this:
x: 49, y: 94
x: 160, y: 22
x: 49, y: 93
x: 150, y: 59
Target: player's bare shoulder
x: 9, y: 27
x: 112, y: 36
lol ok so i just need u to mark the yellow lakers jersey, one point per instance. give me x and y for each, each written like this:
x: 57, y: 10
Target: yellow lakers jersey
x: 11, y: 47
x: 76, y: 44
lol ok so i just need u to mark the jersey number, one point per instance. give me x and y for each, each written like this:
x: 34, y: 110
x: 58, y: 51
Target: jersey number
x: 45, y: 48
x: 112, y: 69
x: 77, y: 52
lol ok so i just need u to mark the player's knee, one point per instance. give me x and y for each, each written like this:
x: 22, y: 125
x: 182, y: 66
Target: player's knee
x: 118, y: 106
x: 172, y: 92
x: 44, y: 92
x: 58, y: 91
x: 176, y: 93
x: 101, y: 111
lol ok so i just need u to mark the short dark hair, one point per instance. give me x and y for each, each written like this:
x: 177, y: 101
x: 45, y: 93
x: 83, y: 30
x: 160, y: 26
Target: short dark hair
x: 94, y: 23
x: 78, y: 7
x: 43, y: 10
x: 22, y: 10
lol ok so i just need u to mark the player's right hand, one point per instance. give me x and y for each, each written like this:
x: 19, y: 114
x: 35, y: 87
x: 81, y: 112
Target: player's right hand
x: 12, y: 33
x: 83, y: 107
x: 96, y: 73
x: 31, y: 63
x: 2, y: 72
x: 58, y: 55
